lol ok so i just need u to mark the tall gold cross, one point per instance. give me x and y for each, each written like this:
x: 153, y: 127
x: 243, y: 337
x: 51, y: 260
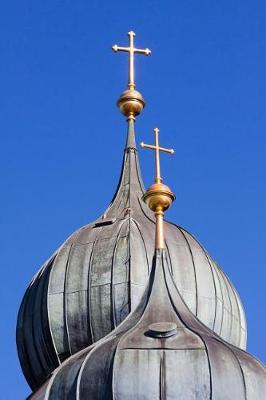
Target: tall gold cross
x: 157, y: 149
x: 131, y: 50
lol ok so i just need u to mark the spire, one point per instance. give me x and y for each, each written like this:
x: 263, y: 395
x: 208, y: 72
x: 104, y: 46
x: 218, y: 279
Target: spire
x: 130, y: 103
x: 131, y: 142
x: 158, y: 197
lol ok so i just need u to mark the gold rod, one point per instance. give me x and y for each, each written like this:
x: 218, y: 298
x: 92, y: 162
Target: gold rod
x: 158, y: 178
x: 159, y: 234
x: 131, y: 83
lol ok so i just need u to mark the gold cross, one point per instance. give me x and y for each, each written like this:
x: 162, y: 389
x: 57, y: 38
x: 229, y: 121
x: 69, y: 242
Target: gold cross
x: 131, y: 50
x: 157, y: 149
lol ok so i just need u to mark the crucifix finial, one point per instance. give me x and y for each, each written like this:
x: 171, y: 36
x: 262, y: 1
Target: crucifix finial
x: 158, y: 197
x: 157, y: 148
x: 131, y: 50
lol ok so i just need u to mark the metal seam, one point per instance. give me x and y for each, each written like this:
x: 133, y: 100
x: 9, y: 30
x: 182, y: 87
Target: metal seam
x: 64, y: 298
x: 231, y: 314
x: 219, y: 280
x: 194, y: 266
x: 112, y: 299
x: 215, y: 289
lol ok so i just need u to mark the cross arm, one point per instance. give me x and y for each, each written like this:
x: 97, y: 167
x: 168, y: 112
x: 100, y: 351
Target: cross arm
x: 146, y: 51
x: 150, y: 146
x: 119, y: 48
x: 171, y: 151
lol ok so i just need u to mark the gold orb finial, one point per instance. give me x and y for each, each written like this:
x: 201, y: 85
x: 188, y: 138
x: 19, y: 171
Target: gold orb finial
x: 158, y: 197
x: 131, y: 102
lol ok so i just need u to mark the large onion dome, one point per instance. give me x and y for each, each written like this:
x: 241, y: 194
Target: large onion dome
x: 98, y: 275
x: 161, y: 351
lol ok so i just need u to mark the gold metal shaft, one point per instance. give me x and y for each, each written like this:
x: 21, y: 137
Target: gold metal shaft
x: 131, y: 78
x: 159, y: 236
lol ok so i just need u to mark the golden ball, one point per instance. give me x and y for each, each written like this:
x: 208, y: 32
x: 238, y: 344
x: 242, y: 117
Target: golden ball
x: 131, y: 102
x: 159, y: 197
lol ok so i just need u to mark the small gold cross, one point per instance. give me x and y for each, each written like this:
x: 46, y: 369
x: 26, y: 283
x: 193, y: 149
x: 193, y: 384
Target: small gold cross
x: 157, y: 149
x: 131, y: 50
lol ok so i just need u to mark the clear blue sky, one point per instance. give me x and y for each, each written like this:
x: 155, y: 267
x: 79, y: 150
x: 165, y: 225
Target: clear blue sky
x: 62, y: 136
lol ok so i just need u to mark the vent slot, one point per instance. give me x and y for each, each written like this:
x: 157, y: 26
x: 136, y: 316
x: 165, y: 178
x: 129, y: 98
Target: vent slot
x: 104, y: 222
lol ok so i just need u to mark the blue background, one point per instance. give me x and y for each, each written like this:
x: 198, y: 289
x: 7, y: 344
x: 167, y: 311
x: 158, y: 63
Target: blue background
x: 62, y: 136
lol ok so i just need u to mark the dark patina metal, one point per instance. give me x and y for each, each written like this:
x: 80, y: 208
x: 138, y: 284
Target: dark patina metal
x: 98, y: 275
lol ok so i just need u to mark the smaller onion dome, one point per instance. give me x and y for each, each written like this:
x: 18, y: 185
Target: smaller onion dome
x: 160, y: 351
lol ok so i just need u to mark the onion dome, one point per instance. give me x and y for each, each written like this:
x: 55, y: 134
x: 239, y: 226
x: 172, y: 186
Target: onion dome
x: 97, y: 277
x: 161, y: 351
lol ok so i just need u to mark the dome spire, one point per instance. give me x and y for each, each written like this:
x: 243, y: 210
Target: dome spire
x: 158, y: 197
x: 131, y: 102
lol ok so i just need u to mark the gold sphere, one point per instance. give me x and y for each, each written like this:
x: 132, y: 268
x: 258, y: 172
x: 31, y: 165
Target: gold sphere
x: 131, y: 102
x: 159, y: 197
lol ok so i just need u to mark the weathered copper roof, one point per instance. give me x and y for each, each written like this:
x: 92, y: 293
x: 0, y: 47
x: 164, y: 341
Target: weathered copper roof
x: 98, y: 275
x: 161, y: 351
